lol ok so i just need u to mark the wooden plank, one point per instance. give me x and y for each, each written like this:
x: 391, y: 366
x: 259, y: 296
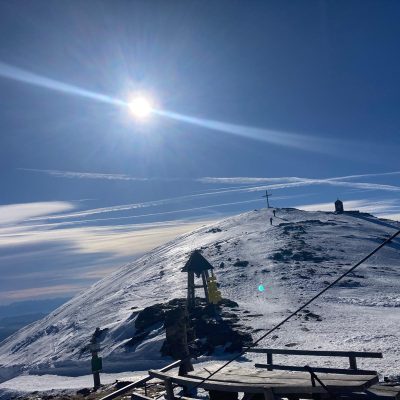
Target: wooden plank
x: 139, y: 382
x: 271, y: 367
x: 285, y: 381
x: 323, y: 353
x: 249, y: 372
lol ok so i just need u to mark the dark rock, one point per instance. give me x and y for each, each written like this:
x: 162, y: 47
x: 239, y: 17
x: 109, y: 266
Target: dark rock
x: 239, y: 263
x: 349, y: 283
x: 229, y: 303
x: 84, y: 392
x: 214, y: 230
x: 150, y: 316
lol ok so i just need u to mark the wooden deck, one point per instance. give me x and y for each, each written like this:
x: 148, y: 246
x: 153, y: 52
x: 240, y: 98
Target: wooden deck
x: 278, y: 378
x: 270, y: 384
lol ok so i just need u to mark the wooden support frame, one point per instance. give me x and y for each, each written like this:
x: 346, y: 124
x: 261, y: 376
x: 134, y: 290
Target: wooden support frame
x: 138, y: 383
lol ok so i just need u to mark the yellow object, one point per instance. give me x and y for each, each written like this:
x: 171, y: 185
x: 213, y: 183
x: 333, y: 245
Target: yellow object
x: 214, y: 295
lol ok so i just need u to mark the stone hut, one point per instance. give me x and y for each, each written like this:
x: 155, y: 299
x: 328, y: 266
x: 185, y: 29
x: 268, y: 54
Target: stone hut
x: 339, y: 206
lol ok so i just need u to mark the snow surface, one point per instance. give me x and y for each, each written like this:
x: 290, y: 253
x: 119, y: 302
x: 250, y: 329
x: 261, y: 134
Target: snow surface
x: 294, y: 259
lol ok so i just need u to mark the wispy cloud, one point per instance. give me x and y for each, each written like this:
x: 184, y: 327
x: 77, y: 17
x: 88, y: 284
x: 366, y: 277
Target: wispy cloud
x: 85, y: 175
x: 39, y: 292
x: 288, y: 182
x: 240, y: 180
x: 15, y: 213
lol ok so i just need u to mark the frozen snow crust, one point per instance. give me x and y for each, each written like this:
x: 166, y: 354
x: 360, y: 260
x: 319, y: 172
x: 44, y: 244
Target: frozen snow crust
x: 293, y: 259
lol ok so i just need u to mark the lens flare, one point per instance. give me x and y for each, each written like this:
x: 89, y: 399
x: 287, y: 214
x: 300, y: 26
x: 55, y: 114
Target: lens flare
x: 261, y: 288
x: 140, y: 107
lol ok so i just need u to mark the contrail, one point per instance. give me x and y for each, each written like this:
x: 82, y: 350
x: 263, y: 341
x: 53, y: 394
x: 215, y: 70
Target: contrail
x: 20, y: 75
x: 304, y: 142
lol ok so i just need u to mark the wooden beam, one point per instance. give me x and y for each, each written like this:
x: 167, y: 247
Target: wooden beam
x: 362, y: 354
x: 327, y: 370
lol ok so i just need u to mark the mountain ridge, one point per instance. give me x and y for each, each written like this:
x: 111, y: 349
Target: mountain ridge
x: 292, y: 259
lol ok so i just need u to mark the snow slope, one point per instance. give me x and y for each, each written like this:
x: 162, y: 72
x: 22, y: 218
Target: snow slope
x: 296, y: 257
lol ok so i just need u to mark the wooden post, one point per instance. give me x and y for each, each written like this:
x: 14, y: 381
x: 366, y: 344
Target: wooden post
x: 204, y: 278
x: 268, y: 394
x: 96, y: 364
x: 169, y: 389
x: 269, y: 361
x: 353, y: 362
x: 191, y: 291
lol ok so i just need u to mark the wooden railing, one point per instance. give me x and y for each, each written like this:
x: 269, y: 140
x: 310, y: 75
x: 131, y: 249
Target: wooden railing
x: 351, y: 355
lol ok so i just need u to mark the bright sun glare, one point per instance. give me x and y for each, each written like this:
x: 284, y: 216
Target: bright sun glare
x: 140, y: 107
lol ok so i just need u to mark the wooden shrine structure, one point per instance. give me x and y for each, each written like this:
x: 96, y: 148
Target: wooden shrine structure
x: 198, y: 266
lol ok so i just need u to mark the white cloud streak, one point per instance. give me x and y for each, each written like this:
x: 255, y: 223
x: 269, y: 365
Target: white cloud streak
x: 254, y: 180
x: 15, y: 213
x: 291, y: 182
x: 85, y: 175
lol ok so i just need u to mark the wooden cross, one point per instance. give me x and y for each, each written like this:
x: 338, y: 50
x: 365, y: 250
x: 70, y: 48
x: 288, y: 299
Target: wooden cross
x: 267, y: 195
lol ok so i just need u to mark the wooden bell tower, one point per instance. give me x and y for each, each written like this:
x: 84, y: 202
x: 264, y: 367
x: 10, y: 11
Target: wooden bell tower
x: 199, y: 266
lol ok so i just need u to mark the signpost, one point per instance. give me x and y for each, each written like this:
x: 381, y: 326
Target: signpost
x: 97, y: 364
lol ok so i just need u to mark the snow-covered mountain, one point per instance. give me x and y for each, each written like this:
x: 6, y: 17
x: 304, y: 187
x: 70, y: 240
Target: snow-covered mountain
x: 293, y: 259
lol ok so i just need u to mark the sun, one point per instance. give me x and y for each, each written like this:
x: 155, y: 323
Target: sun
x: 140, y: 107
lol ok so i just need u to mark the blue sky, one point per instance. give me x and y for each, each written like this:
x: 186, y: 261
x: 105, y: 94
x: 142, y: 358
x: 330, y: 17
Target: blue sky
x: 300, y: 98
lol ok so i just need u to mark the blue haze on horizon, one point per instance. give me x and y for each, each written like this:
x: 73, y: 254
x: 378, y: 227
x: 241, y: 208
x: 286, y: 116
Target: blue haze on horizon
x: 300, y: 98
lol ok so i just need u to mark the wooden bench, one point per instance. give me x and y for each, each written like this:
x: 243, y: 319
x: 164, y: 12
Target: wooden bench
x: 351, y: 355
x: 269, y: 385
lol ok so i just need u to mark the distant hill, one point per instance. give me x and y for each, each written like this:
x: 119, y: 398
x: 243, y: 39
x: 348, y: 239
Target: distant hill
x: 31, y: 307
x: 292, y: 259
x: 16, y: 315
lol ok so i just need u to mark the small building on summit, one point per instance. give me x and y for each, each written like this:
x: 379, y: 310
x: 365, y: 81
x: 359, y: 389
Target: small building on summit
x: 199, y: 266
x: 339, y: 206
